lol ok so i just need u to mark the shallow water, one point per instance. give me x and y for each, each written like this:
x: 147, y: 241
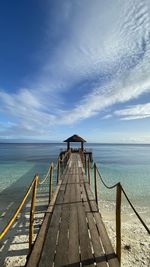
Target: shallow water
x: 128, y: 164
x: 22, y: 161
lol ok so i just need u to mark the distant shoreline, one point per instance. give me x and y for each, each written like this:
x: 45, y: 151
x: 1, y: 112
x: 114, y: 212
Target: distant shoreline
x: 88, y: 143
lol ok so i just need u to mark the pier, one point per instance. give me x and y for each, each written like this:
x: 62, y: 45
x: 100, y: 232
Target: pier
x: 72, y: 232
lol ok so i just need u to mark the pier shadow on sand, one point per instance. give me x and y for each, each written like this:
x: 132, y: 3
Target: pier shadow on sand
x: 14, y: 247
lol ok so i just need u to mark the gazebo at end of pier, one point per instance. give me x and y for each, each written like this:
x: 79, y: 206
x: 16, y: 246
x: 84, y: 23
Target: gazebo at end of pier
x: 75, y: 139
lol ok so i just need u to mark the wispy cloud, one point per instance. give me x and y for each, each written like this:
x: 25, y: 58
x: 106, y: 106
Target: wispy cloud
x: 122, y: 59
x: 134, y: 112
x: 26, y: 111
x: 106, y: 117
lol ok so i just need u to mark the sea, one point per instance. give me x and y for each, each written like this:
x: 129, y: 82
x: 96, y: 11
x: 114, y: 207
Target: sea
x: 128, y: 164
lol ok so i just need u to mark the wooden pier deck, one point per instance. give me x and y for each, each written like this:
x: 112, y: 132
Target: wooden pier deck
x: 73, y: 233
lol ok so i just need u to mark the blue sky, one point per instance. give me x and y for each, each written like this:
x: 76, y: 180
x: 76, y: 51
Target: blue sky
x: 75, y: 67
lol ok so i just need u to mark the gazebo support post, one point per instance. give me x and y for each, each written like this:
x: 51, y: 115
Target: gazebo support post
x: 68, y: 145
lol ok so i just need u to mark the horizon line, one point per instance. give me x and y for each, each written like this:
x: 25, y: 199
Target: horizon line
x: 61, y: 142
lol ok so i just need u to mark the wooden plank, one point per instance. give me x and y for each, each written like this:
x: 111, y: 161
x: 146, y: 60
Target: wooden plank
x: 65, y: 178
x: 87, y: 258
x: 61, y: 258
x: 73, y: 250
x: 71, y: 245
x: 100, y: 257
x: 99, y: 254
x: 38, y: 245
x: 53, y: 200
x: 92, y: 203
x: 34, y: 257
x: 110, y: 254
x: 98, y: 250
x: 84, y: 198
x: 47, y: 256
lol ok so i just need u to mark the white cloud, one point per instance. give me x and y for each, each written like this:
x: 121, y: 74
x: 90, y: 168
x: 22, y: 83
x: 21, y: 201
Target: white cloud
x: 108, y: 116
x: 27, y: 112
x: 134, y: 112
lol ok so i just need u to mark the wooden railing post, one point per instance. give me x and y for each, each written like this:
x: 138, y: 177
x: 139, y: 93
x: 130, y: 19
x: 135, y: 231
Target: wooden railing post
x: 85, y: 164
x: 62, y: 164
x: 95, y: 184
x: 118, y: 222
x: 89, y: 179
x: 32, y: 211
x: 58, y: 170
x: 69, y: 153
x: 51, y: 182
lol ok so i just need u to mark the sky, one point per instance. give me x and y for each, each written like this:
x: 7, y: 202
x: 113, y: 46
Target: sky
x: 75, y: 67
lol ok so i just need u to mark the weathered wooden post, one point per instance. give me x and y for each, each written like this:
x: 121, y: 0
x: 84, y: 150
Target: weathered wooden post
x: 85, y: 163
x: 95, y: 183
x: 89, y: 179
x: 118, y: 221
x: 51, y: 182
x: 62, y: 164
x: 58, y: 170
x: 32, y: 211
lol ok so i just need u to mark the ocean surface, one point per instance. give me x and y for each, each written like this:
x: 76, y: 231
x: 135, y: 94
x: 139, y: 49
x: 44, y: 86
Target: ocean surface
x: 129, y: 164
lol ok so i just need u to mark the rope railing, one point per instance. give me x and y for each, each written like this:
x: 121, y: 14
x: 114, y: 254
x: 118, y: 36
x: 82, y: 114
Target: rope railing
x: 127, y: 198
x: 33, y: 187
x: 45, y: 177
x: 55, y: 167
x: 139, y: 217
x: 108, y: 187
x: 119, y: 191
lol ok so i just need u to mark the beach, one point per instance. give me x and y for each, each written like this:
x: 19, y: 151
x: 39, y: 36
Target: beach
x: 135, y: 241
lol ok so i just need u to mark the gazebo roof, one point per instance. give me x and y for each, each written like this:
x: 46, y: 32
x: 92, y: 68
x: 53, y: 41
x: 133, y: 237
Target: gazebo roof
x: 74, y: 138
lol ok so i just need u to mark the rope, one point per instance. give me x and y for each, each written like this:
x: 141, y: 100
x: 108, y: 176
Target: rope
x: 66, y: 154
x: 109, y: 187
x: 115, y: 185
x: 92, y: 167
x: 6, y: 228
x: 143, y: 223
x: 45, y: 178
x: 55, y: 167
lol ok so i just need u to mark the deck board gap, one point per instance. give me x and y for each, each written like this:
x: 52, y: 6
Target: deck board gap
x: 57, y: 238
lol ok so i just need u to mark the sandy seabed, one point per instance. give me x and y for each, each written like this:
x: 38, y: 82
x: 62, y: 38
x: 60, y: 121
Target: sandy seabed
x: 14, y: 248
x: 135, y: 239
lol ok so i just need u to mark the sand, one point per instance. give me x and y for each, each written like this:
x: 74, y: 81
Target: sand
x: 14, y: 247
x: 135, y: 240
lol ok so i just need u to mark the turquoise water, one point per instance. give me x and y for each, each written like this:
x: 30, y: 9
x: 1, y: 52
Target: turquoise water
x: 129, y: 164
x: 20, y: 162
